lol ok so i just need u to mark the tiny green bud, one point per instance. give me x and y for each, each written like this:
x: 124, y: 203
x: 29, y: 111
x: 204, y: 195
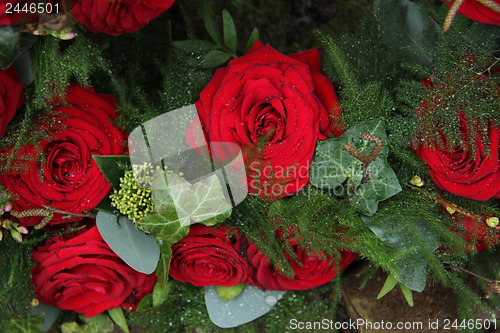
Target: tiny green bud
x: 16, y: 235
x: 417, y: 181
x: 492, y: 221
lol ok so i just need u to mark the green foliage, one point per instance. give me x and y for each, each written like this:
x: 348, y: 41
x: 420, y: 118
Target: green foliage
x: 185, y: 311
x: 100, y: 323
x: 217, y: 53
x: 16, y: 292
x: 119, y: 318
x: 12, y: 44
x: 334, y: 169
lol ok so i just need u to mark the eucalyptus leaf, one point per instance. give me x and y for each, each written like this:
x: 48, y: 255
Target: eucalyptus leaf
x: 113, y: 167
x: 138, y: 249
x: 210, y: 25
x: 230, y: 35
x: 333, y: 167
x: 195, y: 46
x: 251, y: 304
x: 406, y: 28
x: 410, y: 251
x: 119, y: 318
x: 50, y: 315
x: 8, y: 45
x: 254, y: 36
x: 215, y: 58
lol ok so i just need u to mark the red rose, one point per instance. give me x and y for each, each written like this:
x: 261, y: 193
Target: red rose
x: 84, y: 275
x: 12, y: 13
x: 119, y: 16
x: 274, y: 107
x: 311, y: 270
x: 11, y: 97
x: 470, y: 172
x: 209, y: 256
x: 476, y: 11
x: 474, y: 177
x: 68, y: 178
x: 477, y: 235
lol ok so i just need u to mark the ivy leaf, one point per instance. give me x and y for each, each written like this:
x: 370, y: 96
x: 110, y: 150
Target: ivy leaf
x: 195, y: 46
x: 113, y: 167
x: 210, y: 25
x: 202, y: 202
x: 333, y: 167
x: 253, y: 38
x: 230, y: 35
x: 394, y: 230
x: 215, y: 58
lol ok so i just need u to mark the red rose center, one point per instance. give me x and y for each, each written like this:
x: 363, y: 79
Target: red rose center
x: 64, y: 162
x: 269, y: 124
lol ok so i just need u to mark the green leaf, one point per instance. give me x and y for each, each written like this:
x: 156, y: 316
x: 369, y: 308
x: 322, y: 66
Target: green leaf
x: 145, y: 303
x: 138, y: 249
x: 333, y: 167
x: 230, y: 35
x: 227, y: 293
x: 113, y: 167
x: 164, y: 263
x: 160, y: 294
x: 202, y: 202
x: 407, y: 293
x: 13, y: 44
x: 8, y: 45
x: 99, y: 323
x: 210, y: 25
x: 105, y: 206
x: 162, y: 287
x: 119, y: 318
x: 254, y: 36
x: 393, y: 229
x: 389, y: 284
x: 195, y: 46
x: 215, y: 58
x: 406, y: 28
